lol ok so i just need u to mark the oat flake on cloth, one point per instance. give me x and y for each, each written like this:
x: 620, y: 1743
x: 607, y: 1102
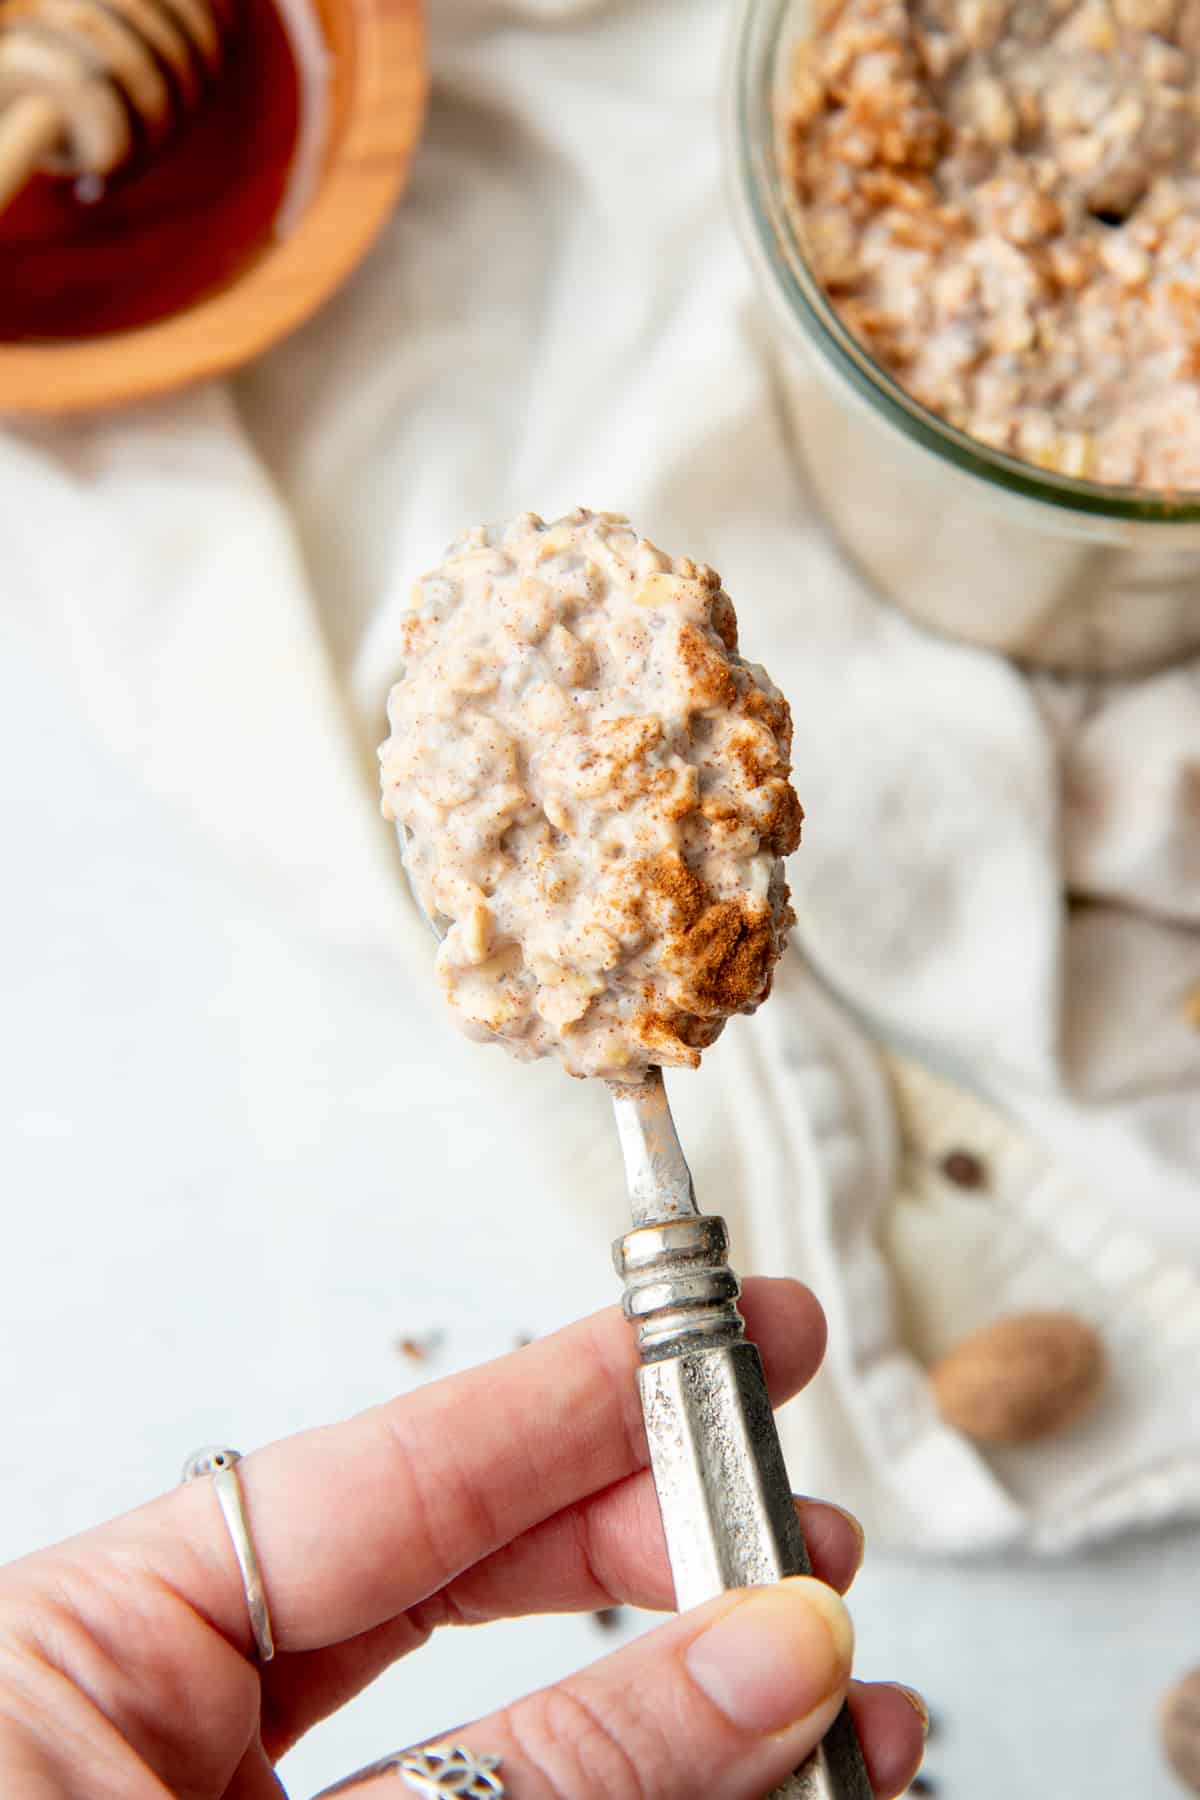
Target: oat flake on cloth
x: 200, y: 604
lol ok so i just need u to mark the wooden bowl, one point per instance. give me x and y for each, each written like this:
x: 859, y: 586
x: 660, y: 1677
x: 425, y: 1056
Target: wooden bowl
x: 375, y: 108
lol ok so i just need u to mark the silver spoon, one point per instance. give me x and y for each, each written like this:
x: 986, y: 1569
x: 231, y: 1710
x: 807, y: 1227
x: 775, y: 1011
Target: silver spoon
x: 722, y: 1485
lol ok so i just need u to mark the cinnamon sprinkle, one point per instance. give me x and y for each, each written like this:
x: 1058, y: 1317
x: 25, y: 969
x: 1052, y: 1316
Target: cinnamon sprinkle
x: 724, y: 950
x: 712, y: 678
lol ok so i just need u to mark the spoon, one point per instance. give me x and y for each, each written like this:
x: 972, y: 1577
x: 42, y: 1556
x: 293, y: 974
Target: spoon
x: 722, y: 1484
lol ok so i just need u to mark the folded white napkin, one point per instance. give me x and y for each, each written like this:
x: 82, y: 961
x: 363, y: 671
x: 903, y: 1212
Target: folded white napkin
x: 201, y: 601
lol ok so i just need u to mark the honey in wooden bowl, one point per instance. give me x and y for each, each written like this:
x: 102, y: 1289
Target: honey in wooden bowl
x: 292, y: 211
x: 177, y: 225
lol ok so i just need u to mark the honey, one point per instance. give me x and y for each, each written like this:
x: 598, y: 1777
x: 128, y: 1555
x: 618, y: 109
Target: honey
x: 175, y: 227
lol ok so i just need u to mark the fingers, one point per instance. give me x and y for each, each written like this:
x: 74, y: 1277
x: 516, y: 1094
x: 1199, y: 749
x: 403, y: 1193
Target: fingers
x: 254, y: 1778
x: 834, y: 1540
x: 608, y: 1552
x: 358, y: 1522
x: 727, y: 1700
x: 892, y: 1724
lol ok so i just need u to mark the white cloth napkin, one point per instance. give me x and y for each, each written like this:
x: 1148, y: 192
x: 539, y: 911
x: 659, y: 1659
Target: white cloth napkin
x: 200, y: 601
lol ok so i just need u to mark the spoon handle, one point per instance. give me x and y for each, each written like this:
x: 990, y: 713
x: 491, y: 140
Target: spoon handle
x: 728, y: 1514
x: 722, y: 1485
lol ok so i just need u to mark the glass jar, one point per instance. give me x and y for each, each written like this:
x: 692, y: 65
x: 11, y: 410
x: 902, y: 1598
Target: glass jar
x: 1054, y: 571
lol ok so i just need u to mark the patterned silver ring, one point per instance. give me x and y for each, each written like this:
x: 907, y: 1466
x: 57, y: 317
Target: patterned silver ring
x: 429, y: 1769
x: 221, y: 1463
x: 450, y: 1769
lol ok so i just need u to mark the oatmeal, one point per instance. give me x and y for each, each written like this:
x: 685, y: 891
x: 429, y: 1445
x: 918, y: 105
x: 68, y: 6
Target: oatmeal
x: 594, y: 789
x: 1002, y: 198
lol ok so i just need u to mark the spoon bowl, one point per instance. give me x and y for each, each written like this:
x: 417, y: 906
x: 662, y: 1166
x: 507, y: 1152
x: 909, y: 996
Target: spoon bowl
x: 438, y: 923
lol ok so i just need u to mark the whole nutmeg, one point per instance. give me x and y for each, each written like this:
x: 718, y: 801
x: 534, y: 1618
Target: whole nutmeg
x: 1180, y: 1720
x: 1020, y: 1378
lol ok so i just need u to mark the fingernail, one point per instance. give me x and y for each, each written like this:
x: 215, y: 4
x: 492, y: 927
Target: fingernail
x: 776, y: 1656
x: 916, y: 1701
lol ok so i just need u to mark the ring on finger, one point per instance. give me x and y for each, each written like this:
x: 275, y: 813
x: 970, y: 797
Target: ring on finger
x: 219, y: 1462
x: 451, y: 1769
x: 431, y: 1770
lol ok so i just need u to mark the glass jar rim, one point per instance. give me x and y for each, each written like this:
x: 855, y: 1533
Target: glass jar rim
x: 769, y: 230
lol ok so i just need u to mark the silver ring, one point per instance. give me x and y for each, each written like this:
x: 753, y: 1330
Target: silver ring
x: 221, y: 1463
x: 451, y: 1769
x: 432, y: 1770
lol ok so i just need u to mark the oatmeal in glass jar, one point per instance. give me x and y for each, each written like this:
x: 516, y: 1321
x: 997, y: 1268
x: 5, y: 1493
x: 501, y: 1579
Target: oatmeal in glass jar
x: 1002, y: 198
x: 977, y: 223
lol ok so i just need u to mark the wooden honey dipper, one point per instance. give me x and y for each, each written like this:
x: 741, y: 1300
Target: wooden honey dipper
x: 83, y: 83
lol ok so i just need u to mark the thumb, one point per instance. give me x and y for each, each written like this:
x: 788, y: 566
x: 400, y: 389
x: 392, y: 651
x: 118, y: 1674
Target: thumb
x: 725, y: 1701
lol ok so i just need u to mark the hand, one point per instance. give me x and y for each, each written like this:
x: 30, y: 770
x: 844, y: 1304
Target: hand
x: 126, y: 1658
